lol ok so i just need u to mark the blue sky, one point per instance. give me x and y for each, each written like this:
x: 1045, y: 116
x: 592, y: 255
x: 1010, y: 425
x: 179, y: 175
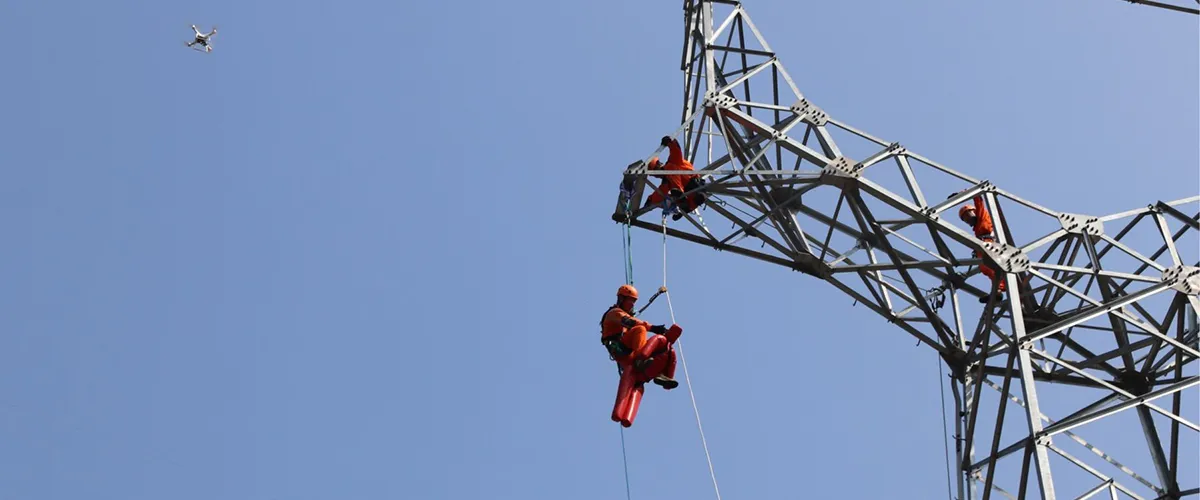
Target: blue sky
x: 360, y: 251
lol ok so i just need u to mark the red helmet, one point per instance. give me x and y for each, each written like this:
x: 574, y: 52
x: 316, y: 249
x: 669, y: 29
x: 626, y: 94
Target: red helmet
x: 962, y: 212
x: 627, y: 291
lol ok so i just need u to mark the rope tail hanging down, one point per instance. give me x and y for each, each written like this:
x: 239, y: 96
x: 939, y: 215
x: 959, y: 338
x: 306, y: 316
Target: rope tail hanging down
x: 683, y: 362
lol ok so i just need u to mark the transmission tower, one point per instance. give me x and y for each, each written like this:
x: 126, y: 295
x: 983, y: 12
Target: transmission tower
x: 1100, y: 340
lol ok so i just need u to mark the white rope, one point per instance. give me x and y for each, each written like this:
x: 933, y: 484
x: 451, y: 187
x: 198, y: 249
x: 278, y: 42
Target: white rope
x: 687, y: 378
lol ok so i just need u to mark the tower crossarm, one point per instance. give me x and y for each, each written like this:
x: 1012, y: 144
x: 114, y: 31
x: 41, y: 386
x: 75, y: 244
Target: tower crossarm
x: 1098, y: 303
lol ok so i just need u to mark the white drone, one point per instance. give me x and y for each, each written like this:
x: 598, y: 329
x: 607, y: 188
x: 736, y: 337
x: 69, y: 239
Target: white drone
x: 202, y: 39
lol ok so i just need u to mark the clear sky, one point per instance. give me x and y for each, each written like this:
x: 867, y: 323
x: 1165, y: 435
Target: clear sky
x: 361, y: 249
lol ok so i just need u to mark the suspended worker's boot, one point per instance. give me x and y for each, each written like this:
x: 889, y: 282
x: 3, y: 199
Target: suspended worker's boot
x: 666, y: 382
x: 666, y: 377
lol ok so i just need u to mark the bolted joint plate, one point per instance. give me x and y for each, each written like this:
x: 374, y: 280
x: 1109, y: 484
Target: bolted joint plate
x: 1081, y: 224
x: 810, y: 113
x: 714, y: 100
x: 841, y: 172
x: 1185, y: 279
x: 842, y: 167
x: 1010, y: 259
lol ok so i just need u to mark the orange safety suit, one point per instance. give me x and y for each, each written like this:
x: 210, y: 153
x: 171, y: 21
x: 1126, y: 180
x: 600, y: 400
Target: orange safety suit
x: 983, y: 230
x: 625, y: 338
x: 675, y: 161
x: 632, y: 331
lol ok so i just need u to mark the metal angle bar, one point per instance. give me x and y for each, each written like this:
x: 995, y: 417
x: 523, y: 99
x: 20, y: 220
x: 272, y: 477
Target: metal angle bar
x: 1157, y: 455
x: 1194, y: 222
x: 750, y: 72
x: 878, y: 295
x: 1074, y: 437
x: 837, y: 209
x: 910, y: 180
x: 753, y: 29
x: 1190, y: 199
x: 1114, y: 388
x: 1027, y: 203
x: 828, y: 145
x: 987, y: 493
x: 992, y: 457
x: 857, y: 132
x: 738, y: 50
x: 1127, y: 213
x: 1107, y: 274
x: 1133, y: 253
x: 784, y: 227
x: 753, y: 232
x: 1099, y: 310
x: 1168, y: 241
x: 945, y: 261
x: 1008, y: 450
x: 959, y: 411
x: 729, y: 248
x: 788, y: 143
x: 1141, y: 344
x: 858, y: 205
x: 928, y: 264
x: 1097, y: 304
x: 1176, y: 398
x: 1025, y: 366
x: 1054, y: 236
x: 1092, y: 492
x: 1176, y: 307
x: 771, y: 107
x: 1066, y: 425
x: 1079, y: 463
x: 728, y: 20
x: 944, y: 169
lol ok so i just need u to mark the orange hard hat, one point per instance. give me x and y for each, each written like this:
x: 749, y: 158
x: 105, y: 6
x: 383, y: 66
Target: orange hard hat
x: 962, y: 212
x: 627, y: 291
x: 653, y: 163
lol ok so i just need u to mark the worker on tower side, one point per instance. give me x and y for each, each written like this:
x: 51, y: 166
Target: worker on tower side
x: 639, y: 359
x: 673, y: 187
x: 980, y: 220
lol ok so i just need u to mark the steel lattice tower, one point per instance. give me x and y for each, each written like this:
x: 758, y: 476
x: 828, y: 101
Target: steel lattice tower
x: 1101, y: 339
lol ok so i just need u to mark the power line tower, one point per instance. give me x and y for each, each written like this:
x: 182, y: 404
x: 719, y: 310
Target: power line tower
x: 1096, y: 339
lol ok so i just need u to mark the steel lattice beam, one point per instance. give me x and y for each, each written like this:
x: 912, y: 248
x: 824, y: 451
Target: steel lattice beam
x: 1101, y: 312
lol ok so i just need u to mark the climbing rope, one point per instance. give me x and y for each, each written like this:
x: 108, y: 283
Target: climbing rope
x: 945, y: 429
x: 627, y: 243
x: 687, y: 378
x: 626, y: 461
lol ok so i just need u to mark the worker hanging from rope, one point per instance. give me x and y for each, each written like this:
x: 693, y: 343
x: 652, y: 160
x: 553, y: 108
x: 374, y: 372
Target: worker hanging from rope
x: 639, y: 358
x: 671, y: 191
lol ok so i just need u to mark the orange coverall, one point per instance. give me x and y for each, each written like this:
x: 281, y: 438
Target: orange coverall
x: 632, y: 337
x: 983, y: 230
x: 675, y: 161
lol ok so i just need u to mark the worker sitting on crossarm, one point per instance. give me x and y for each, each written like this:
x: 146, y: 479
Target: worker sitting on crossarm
x: 673, y: 187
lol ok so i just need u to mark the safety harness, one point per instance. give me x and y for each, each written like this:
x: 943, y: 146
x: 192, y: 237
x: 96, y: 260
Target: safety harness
x: 616, y: 348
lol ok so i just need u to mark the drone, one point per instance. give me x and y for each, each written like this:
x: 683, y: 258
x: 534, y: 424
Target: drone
x: 202, y: 39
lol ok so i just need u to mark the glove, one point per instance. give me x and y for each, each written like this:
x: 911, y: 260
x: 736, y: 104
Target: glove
x: 658, y: 329
x: 666, y: 140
